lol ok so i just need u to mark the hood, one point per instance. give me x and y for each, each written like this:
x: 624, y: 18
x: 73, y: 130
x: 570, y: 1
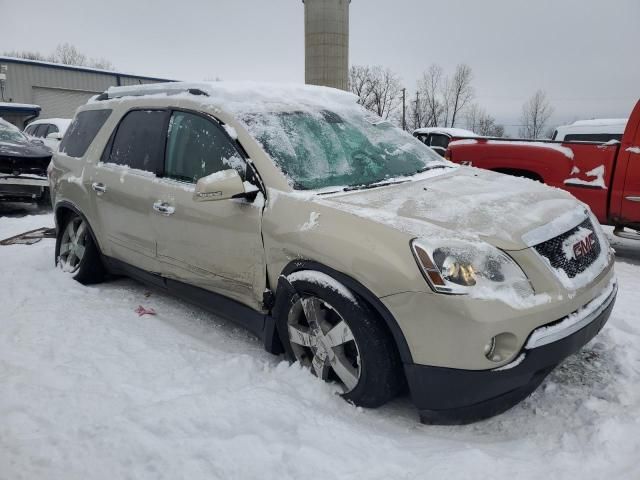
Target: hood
x: 469, y: 203
x: 24, y: 149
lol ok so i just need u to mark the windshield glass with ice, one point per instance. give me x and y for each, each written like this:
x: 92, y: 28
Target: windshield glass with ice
x: 321, y: 148
x: 9, y: 133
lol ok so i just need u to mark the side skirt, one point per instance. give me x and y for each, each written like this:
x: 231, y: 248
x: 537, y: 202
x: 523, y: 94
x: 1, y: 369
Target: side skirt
x: 258, y: 323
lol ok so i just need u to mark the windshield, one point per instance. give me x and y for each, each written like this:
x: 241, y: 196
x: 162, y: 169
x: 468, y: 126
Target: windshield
x: 9, y: 133
x: 320, y: 148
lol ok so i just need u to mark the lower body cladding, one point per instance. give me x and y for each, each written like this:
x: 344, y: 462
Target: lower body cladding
x: 456, y: 396
x: 23, y: 187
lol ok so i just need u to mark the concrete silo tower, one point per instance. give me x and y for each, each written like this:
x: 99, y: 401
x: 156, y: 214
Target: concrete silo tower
x: 326, y: 40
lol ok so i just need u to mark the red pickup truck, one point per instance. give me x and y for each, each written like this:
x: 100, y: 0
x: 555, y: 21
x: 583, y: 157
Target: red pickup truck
x: 605, y: 176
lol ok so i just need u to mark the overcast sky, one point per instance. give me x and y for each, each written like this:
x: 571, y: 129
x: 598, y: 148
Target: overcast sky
x: 583, y: 53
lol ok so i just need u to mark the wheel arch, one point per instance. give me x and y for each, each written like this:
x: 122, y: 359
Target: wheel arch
x: 373, y: 302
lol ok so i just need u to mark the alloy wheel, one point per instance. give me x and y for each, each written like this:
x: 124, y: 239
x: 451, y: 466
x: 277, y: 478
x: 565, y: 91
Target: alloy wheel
x: 322, y: 340
x: 73, y: 245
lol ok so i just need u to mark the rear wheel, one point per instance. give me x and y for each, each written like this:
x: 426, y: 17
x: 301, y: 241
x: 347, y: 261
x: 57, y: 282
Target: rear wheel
x: 76, y: 252
x: 340, y: 340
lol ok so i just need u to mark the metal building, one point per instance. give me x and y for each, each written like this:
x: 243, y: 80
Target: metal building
x: 326, y: 40
x: 30, y: 88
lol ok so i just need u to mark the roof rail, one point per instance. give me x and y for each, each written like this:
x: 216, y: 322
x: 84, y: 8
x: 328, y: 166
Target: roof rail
x: 120, y: 92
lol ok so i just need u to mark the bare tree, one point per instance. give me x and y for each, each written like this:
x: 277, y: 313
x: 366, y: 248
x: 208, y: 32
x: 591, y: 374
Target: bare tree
x: 480, y: 122
x: 385, y: 91
x: 378, y: 88
x: 67, y: 54
x: 360, y: 82
x: 442, y: 99
x: 535, y: 114
x: 101, y: 63
x: 429, y: 87
x: 460, y: 91
x: 26, y: 54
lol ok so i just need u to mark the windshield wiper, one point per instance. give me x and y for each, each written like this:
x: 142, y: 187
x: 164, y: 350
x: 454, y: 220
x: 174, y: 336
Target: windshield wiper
x: 365, y: 186
x: 382, y: 183
x: 430, y: 167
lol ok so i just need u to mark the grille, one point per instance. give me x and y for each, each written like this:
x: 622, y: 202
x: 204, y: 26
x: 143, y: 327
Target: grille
x: 33, y: 165
x: 555, y: 251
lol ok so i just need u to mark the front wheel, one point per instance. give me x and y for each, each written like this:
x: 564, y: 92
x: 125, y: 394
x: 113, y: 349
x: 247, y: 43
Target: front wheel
x: 336, y: 335
x: 76, y: 252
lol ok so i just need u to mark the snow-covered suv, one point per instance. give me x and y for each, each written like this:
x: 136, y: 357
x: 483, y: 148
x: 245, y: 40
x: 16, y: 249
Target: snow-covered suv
x: 335, y: 237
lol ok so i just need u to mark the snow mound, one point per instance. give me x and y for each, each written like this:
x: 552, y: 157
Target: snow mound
x: 92, y: 391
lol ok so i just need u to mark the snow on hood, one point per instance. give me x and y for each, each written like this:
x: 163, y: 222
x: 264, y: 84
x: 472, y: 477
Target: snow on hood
x: 469, y: 203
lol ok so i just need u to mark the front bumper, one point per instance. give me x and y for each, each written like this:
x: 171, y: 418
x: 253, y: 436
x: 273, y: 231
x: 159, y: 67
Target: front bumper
x: 23, y: 186
x: 455, y: 396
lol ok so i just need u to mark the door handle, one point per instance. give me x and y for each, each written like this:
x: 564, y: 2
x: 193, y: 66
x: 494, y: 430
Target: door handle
x: 632, y: 198
x: 100, y: 188
x: 163, y: 208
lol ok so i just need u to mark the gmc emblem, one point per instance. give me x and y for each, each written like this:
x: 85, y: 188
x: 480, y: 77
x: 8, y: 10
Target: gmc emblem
x: 584, y: 246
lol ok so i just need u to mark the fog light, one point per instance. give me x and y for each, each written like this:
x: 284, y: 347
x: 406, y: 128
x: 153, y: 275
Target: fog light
x: 490, y: 348
x: 501, y: 347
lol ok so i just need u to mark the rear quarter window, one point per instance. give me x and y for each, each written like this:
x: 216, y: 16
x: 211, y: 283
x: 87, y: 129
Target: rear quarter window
x: 82, y: 131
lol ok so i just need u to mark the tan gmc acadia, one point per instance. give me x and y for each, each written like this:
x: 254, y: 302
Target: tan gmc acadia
x: 336, y: 238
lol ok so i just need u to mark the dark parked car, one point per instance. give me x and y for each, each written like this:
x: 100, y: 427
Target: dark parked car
x: 23, y: 166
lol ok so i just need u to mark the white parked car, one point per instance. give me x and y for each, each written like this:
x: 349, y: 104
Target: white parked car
x: 50, y: 130
x: 596, y: 130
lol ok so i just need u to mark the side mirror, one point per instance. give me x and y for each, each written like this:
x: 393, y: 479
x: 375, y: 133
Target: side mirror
x: 54, y: 136
x: 220, y: 186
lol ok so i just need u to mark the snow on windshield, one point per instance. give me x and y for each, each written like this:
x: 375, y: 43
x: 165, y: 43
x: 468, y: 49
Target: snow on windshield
x: 10, y: 133
x: 318, y: 148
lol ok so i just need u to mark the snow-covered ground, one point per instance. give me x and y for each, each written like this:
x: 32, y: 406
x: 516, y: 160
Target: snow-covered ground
x: 90, y: 390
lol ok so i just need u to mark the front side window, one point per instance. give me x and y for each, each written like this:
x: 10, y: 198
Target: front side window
x: 438, y: 140
x: 82, y: 131
x: 139, y: 140
x: 197, y: 147
x: 322, y: 148
x: 52, y: 129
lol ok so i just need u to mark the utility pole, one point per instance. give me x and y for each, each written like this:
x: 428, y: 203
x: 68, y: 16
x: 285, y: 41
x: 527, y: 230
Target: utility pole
x: 404, y: 109
x: 416, y: 123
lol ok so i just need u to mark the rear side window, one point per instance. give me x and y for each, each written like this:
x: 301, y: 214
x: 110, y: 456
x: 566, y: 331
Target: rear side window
x: 41, y: 130
x: 82, y: 131
x: 197, y: 147
x: 439, y: 140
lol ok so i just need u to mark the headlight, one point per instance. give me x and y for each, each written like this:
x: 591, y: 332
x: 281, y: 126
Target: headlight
x: 461, y: 267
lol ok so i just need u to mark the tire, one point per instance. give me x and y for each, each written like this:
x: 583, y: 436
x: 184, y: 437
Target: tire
x: 78, y: 255
x: 45, y: 198
x: 361, y: 358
